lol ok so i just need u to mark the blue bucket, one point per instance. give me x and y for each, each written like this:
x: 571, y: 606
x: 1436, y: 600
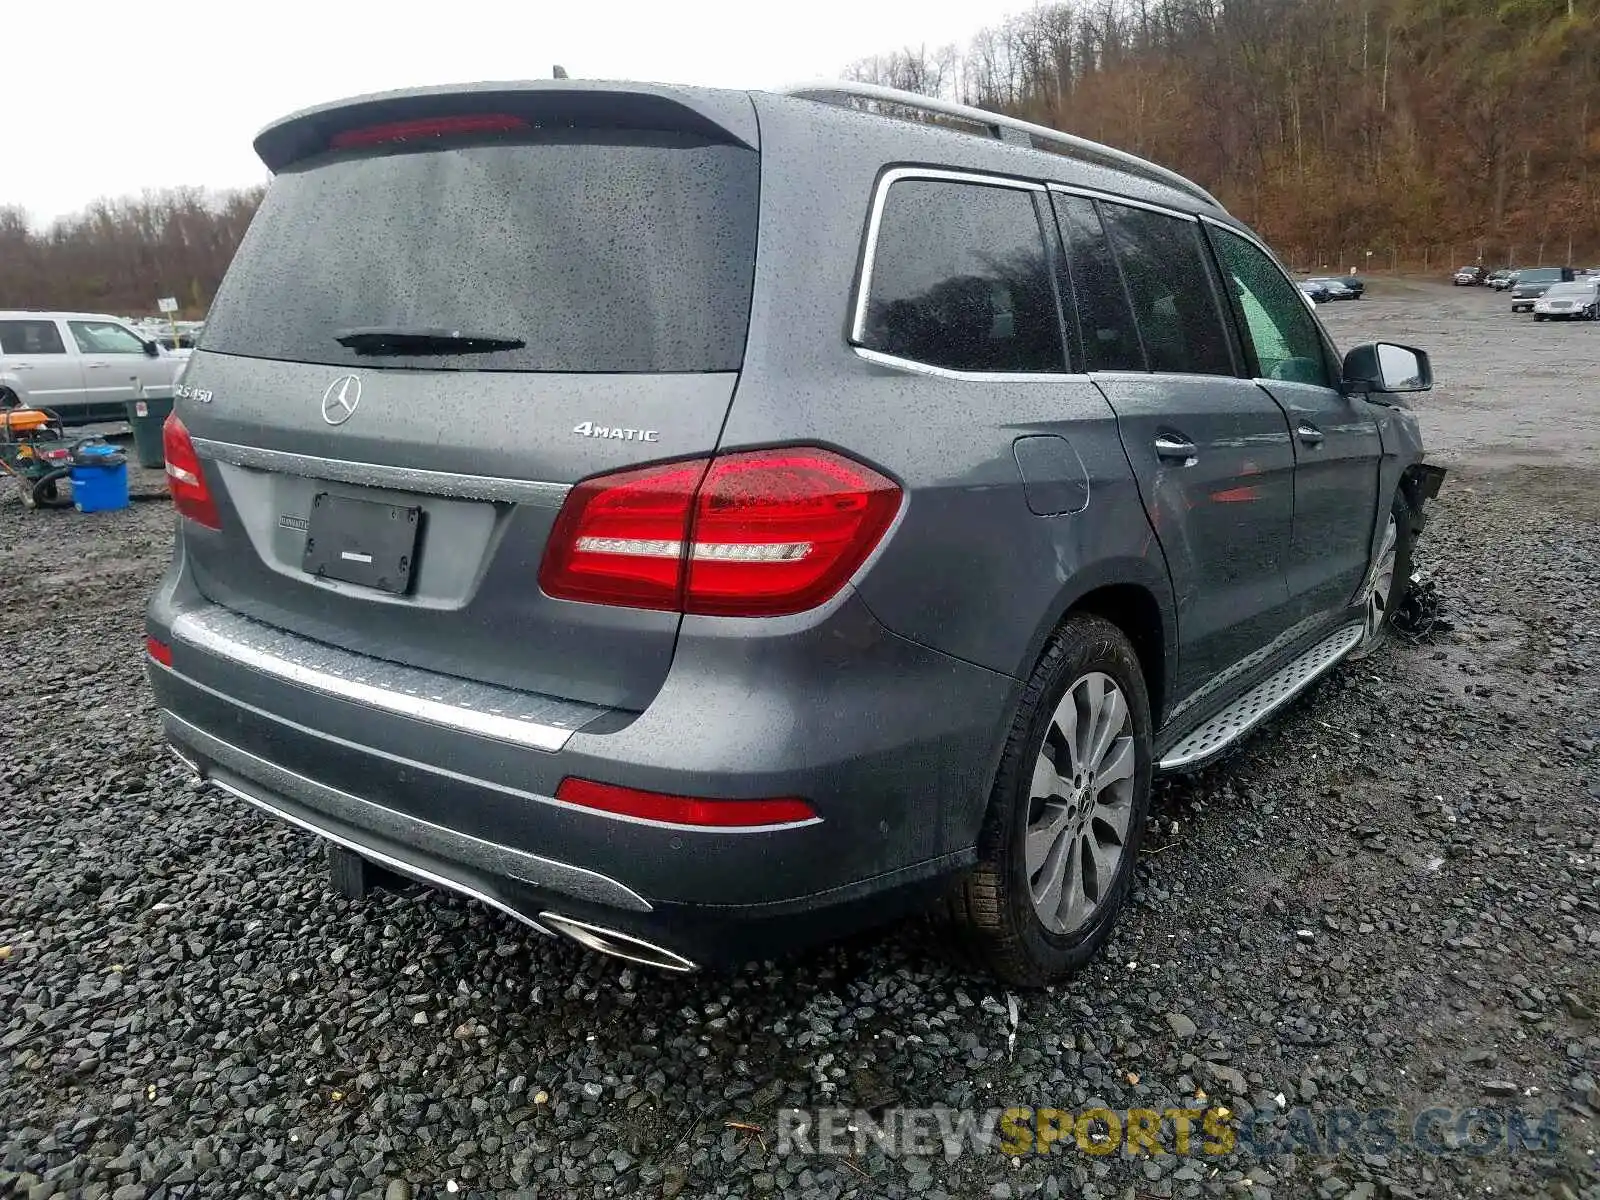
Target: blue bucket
x: 100, y: 487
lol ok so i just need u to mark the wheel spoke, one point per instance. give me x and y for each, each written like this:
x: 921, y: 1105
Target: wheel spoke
x: 1113, y: 714
x: 1105, y: 857
x: 1044, y: 836
x: 1117, y: 765
x: 1075, y: 905
x: 1111, y: 819
x: 1046, y: 781
x: 1065, y: 724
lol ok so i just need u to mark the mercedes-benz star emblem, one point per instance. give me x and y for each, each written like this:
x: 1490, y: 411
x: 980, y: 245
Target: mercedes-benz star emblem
x: 340, y: 400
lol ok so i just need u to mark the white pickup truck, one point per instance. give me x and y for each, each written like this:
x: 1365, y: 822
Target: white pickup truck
x: 85, y: 366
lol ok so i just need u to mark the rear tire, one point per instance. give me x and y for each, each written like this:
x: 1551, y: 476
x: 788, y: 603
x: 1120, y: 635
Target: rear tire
x: 1060, y: 842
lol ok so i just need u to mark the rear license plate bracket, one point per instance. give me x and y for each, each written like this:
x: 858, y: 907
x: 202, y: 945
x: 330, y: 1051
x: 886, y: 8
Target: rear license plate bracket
x: 364, y: 542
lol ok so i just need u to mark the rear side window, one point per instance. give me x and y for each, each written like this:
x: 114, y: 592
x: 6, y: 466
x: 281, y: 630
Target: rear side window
x: 104, y: 337
x: 30, y: 337
x: 1169, y: 286
x: 960, y: 279
x: 599, y: 251
x: 1110, y: 341
x: 1282, y: 332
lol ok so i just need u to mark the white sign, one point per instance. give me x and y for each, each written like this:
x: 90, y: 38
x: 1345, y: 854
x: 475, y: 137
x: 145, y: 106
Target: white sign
x: 167, y: 304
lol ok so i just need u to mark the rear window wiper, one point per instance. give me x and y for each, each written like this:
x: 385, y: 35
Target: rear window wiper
x: 400, y: 340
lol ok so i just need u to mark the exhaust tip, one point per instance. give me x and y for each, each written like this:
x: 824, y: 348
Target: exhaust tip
x: 617, y: 944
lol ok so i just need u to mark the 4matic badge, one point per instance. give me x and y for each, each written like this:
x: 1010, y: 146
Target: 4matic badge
x: 590, y: 429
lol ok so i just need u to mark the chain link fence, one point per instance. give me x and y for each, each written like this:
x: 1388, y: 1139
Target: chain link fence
x: 1440, y: 258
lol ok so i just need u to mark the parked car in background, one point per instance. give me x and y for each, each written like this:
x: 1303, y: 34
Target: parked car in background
x: 577, y: 654
x: 1578, y: 300
x: 1501, y: 279
x: 1533, y: 282
x: 1336, y: 288
x: 1314, y: 290
x: 1469, y: 276
x: 84, y: 366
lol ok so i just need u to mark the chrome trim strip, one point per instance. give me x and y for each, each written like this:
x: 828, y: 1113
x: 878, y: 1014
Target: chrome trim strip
x: 218, y: 634
x: 822, y: 90
x: 404, y: 479
x: 895, y: 362
x: 338, y: 805
x: 607, y: 941
x: 880, y: 197
x: 1068, y: 189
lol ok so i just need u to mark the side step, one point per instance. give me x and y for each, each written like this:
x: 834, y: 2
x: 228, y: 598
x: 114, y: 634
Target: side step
x: 1260, y: 702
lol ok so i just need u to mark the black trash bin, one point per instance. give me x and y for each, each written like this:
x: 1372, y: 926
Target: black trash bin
x: 147, y: 417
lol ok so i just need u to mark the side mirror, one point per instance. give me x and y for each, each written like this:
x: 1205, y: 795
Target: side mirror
x: 1383, y: 368
x: 152, y: 350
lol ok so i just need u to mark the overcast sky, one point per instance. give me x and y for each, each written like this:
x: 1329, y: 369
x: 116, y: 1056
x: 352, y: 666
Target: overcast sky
x: 119, y: 98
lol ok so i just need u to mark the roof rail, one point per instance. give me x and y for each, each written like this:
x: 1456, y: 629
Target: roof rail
x: 1006, y: 129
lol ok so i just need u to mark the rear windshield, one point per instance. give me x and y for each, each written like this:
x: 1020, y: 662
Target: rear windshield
x: 1540, y: 275
x: 600, y: 251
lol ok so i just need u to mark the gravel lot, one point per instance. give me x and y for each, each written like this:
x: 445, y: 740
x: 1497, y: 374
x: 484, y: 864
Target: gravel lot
x: 1389, y: 899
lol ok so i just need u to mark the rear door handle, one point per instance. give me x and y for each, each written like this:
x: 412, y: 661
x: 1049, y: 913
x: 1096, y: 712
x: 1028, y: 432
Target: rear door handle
x: 1309, y: 434
x: 1172, y: 449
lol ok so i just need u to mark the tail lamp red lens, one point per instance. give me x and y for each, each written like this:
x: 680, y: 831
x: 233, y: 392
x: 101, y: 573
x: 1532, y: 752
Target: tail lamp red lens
x: 683, y: 810
x: 185, y: 480
x: 158, y: 650
x: 426, y: 127
x: 750, y: 534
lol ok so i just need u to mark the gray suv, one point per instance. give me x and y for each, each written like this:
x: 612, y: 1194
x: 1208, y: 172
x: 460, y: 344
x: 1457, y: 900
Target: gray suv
x: 696, y: 522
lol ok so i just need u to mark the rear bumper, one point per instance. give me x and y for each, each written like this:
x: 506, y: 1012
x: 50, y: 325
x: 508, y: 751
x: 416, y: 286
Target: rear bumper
x: 894, y: 747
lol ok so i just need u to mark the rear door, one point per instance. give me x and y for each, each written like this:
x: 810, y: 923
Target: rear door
x: 1210, y: 450
x: 1336, y: 442
x: 36, y: 364
x: 114, y: 360
x: 600, y: 249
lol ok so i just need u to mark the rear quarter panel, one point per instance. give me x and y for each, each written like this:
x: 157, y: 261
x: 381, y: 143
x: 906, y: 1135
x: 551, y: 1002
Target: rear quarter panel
x: 969, y: 569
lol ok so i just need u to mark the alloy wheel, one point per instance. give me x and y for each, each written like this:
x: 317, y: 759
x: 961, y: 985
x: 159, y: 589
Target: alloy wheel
x: 1382, y: 585
x: 1080, y: 804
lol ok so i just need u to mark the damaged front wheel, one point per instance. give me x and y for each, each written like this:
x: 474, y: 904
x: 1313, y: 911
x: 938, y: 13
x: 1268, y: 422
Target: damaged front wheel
x: 1388, y: 579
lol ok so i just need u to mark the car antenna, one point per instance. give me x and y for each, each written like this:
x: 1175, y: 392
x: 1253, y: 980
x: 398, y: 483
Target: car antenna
x: 560, y: 72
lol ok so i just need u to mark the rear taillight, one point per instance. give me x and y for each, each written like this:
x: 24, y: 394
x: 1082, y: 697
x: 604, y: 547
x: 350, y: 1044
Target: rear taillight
x: 187, y: 483
x: 753, y: 534
x: 684, y: 810
x: 426, y: 127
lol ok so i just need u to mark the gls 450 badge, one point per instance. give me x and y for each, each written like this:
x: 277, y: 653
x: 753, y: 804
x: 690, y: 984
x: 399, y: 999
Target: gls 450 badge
x: 590, y: 429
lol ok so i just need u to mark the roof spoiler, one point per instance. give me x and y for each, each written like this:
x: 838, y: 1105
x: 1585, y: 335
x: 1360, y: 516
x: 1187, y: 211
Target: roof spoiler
x: 727, y: 117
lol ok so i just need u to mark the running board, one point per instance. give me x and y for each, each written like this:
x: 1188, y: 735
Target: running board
x: 1260, y: 702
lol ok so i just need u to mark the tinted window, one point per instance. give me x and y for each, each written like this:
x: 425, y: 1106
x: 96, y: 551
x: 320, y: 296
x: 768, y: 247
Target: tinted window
x: 1110, y: 342
x: 1281, y: 331
x: 960, y: 280
x: 1169, y: 286
x: 1541, y: 275
x: 104, y: 337
x: 626, y: 251
x: 30, y: 337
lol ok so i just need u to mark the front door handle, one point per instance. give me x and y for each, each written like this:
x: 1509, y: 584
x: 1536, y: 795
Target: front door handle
x: 1309, y: 434
x: 1173, y: 449
x: 95, y: 366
